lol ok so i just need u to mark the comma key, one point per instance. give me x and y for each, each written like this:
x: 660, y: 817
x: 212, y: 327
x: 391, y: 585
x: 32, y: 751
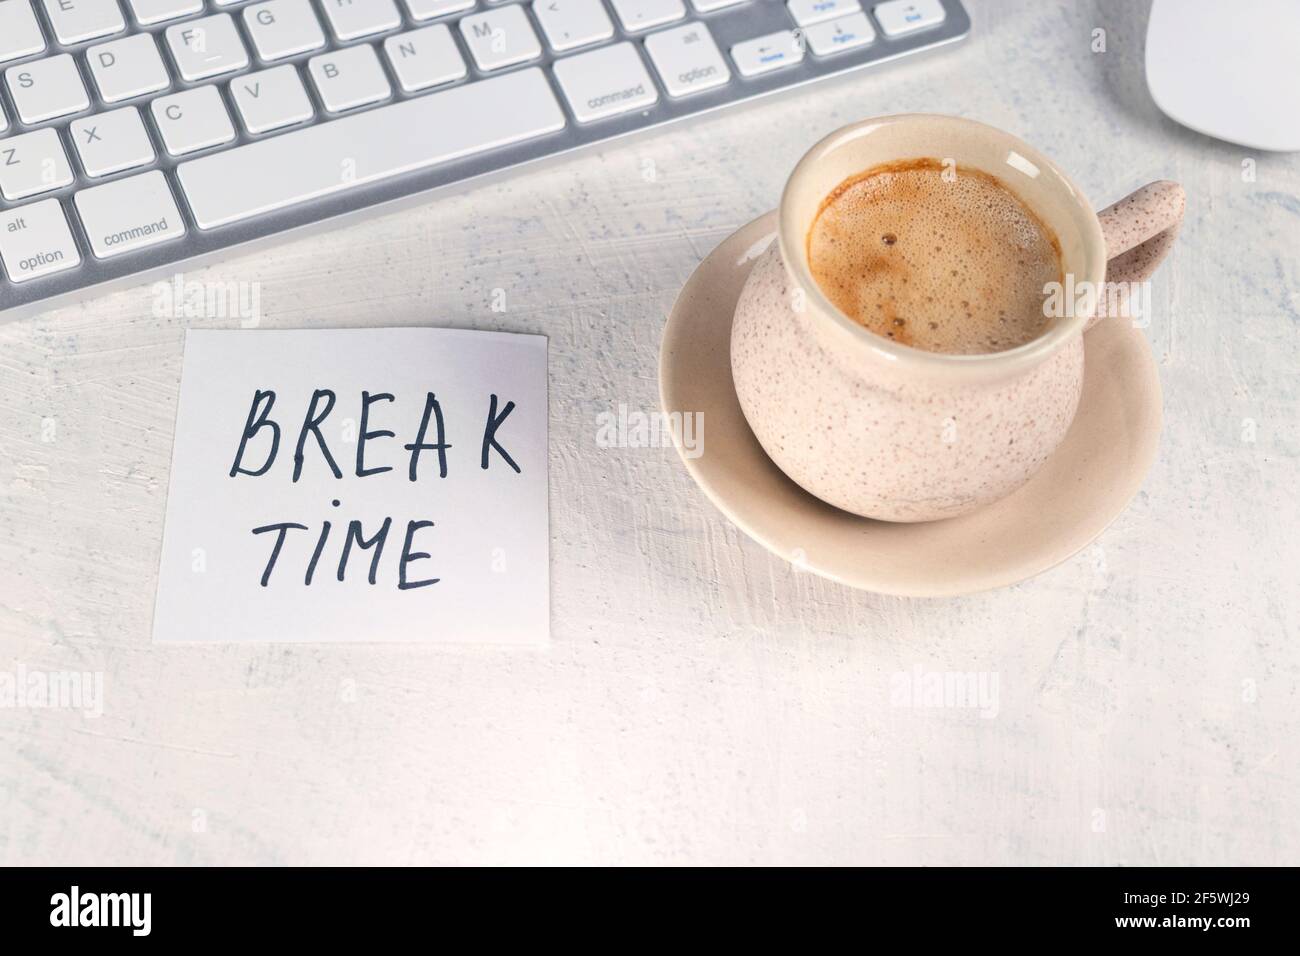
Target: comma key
x: 129, y: 214
x: 35, y: 241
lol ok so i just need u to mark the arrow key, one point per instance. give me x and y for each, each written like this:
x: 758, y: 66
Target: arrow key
x: 766, y: 53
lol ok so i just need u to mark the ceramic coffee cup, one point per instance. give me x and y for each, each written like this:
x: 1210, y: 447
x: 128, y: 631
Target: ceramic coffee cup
x: 887, y: 431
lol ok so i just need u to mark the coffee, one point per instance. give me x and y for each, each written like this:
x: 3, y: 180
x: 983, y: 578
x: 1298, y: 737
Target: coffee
x: 941, y: 261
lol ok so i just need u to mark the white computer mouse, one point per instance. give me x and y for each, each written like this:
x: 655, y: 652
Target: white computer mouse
x: 1228, y: 68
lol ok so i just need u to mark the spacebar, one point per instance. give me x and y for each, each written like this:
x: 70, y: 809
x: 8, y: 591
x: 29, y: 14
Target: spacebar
x: 363, y: 148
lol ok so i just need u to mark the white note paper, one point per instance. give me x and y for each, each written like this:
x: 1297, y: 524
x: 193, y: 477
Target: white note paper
x: 451, y: 523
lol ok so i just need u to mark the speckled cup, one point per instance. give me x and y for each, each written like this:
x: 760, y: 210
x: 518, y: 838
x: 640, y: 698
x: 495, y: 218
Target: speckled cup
x: 887, y: 431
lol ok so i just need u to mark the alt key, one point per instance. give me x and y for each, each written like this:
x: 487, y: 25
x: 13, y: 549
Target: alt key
x: 35, y: 241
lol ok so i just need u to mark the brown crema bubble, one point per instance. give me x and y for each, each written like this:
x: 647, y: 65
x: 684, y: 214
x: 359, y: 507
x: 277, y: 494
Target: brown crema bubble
x: 956, y: 265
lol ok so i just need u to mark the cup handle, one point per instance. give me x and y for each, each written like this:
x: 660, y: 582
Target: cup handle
x: 1139, y: 231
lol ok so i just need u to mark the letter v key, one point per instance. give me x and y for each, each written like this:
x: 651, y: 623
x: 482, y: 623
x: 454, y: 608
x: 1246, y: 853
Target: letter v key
x: 271, y: 99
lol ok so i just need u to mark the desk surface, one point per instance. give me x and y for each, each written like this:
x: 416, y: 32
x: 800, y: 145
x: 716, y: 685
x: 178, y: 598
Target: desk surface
x: 701, y: 701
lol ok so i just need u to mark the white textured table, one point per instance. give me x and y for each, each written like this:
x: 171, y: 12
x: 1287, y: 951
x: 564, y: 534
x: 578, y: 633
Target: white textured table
x: 701, y: 701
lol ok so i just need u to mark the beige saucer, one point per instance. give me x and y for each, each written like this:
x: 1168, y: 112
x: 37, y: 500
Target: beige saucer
x: 1081, y: 489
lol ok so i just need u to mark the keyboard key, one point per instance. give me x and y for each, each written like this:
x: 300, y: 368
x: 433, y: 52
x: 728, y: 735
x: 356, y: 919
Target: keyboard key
x: 35, y: 241
x: 708, y: 6
x: 687, y: 59
x: 898, y: 17
x: 206, y: 48
x: 20, y: 34
x: 150, y: 12
x: 644, y: 14
x: 283, y: 28
x: 350, y: 19
x: 424, y: 58
x: 429, y: 9
x: 349, y: 78
x: 33, y: 163
x: 192, y: 120
x: 45, y: 89
x: 766, y: 53
x: 127, y: 68
x: 129, y: 214
x: 501, y: 37
x: 77, y: 20
x: 4, y: 120
x: 605, y: 82
x: 111, y: 142
x: 353, y: 151
x: 572, y: 23
x: 272, y: 99
x: 846, y: 33
x: 808, y: 12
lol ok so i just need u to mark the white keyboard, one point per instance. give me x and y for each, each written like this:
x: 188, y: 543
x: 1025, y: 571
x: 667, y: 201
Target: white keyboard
x: 137, y: 135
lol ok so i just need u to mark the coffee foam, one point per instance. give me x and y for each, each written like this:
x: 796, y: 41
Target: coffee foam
x: 946, y: 265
